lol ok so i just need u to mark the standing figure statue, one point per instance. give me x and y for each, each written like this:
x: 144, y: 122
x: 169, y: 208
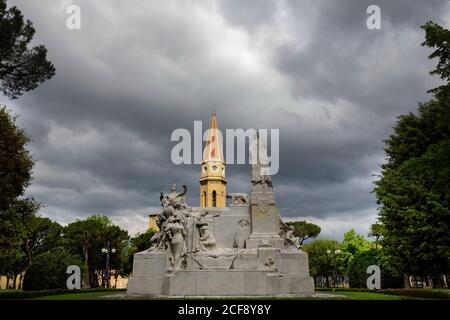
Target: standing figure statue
x: 260, y: 163
x: 174, y: 204
x: 174, y: 199
x: 175, y: 235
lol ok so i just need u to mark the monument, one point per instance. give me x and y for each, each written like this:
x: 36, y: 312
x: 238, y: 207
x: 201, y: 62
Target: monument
x: 243, y: 249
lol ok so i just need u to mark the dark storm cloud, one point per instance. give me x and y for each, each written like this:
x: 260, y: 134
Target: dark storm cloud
x: 134, y: 73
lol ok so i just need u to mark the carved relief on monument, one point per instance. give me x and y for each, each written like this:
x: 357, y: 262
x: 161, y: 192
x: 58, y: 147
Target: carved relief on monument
x: 287, y: 233
x: 239, y: 199
x: 242, y: 234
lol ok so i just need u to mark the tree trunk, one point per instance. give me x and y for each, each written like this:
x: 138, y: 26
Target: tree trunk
x: 20, y: 281
x: 29, y: 255
x: 86, y: 266
x: 406, y: 282
x: 14, y: 281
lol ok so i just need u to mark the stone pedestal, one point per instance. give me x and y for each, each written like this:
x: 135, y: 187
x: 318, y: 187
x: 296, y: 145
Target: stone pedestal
x: 265, y: 219
x: 251, y: 272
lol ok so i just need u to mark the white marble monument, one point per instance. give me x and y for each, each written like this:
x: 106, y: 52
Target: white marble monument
x: 243, y: 249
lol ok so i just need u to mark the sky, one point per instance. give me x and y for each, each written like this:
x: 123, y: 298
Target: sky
x: 137, y: 70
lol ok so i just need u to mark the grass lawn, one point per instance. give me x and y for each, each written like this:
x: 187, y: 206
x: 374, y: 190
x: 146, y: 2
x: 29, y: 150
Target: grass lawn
x: 354, y: 295
x: 349, y: 295
x: 76, y: 296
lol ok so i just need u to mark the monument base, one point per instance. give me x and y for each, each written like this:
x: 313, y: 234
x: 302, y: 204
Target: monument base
x: 245, y: 272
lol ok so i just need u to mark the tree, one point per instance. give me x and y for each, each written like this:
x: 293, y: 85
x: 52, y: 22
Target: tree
x: 142, y: 240
x: 22, y: 67
x: 413, y: 134
x: 48, y: 270
x: 11, y: 237
x: 304, y: 230
x: 15, y: 160
x: 352, y: 245
x: 357, y: 275
x: 42, y: 234
x: 415, y: 211
x: 322, y: 261
x: 376, y: 231
x: 87, y: 238
x: 413, y: 189
x: 138, y: 243
x: 439, y: 38
x: 24, y: 234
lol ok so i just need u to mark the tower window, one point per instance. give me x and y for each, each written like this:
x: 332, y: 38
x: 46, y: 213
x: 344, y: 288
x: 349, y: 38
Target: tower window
x: 204, y: 198
x: 214, y: 199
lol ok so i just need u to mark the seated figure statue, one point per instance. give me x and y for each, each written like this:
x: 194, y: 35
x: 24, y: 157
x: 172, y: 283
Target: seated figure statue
x: 207, y: 240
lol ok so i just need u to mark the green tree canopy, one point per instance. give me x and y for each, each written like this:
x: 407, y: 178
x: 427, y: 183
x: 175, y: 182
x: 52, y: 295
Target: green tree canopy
x: 304, y: 230
x: 413, y: 134
x: 88, y: 237
x: 413, y: 189
x: 321, y: 257
x: 439, y: 38
x: 15, y: 160
x: 23, y: 234
x: 22, y: 67
x: 357, y: 270
x: 138, y: 243
x: 415, y: 212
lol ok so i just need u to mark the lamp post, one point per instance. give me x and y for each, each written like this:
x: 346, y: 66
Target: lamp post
x: 335, y: 253
x: 107, y: 251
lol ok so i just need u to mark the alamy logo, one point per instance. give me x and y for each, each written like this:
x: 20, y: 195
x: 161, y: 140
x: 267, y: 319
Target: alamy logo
x: 74, y: 280
x: 73, y: 22
x: 374, y: 280
x: 373, y: 22
x: 235, y: 140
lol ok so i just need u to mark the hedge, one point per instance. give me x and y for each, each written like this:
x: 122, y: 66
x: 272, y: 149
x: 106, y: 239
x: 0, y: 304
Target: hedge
x: 19, y: 294
x: 414, y: 293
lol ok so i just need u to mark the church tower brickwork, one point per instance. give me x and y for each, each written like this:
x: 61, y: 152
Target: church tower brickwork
x: 213, y: 192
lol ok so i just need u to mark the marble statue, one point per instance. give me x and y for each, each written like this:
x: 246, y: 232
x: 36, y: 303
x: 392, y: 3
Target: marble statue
x: 258, y: 155
x: 207, y: 240
x: 287, y: 233
x: 175, y: 235
x: 243, y: 249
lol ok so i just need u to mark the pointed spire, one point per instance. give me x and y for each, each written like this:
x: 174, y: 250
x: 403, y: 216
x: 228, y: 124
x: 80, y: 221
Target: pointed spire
x: 213, y: 149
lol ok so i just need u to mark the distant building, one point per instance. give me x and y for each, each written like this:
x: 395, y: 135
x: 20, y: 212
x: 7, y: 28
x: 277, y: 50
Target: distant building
x: 152, y: 221
x: 213, y: 191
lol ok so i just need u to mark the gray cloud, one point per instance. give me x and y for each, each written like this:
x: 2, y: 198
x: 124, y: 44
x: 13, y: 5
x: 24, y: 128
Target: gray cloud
x: 134, y: 73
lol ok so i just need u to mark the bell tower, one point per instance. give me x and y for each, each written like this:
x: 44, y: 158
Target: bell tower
x: 213, y: 192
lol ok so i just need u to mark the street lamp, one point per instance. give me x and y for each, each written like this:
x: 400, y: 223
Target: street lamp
x: 335, y: 271
x: 107, y: 251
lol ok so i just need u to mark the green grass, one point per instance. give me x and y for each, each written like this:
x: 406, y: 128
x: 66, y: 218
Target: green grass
x: 348, y: 295
x: 76, y: 296
x: 354, y: 295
